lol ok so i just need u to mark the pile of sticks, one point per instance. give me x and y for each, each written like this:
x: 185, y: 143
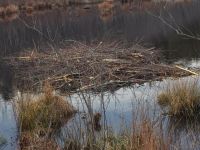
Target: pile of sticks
x: 96, y: 67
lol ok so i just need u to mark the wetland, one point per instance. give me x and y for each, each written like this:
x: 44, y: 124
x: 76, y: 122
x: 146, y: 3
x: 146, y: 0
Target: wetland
x: 110, y: 75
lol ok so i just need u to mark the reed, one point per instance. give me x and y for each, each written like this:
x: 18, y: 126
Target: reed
x: 144, y: 136
x: 181, y: 98
x: 45, y: 111
x: 147, y: 136
x: 32, y: 141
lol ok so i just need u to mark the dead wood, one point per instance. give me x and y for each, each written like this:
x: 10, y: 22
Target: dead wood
x: 97, y: 67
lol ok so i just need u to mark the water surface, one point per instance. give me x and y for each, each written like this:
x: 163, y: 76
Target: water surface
x: 129, y: 105
x: 129, y: 24
x: 8, y: 127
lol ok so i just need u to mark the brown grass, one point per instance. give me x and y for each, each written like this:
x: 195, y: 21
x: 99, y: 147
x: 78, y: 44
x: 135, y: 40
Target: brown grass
x: 11, y: 9
x: 39, y: 117
x: 8, y: 10
x: 145, y: 136
x: 30, y: 141
x: 46, y: 111
x: 106, y: 10
x: 181, y: 98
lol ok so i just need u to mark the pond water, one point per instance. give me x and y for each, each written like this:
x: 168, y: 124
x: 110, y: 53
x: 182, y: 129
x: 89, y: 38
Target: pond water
x: 8, y: 128
x: 119, y: 109
x: 128, y: 105
x: 86, y: 24
x: 128, y: 24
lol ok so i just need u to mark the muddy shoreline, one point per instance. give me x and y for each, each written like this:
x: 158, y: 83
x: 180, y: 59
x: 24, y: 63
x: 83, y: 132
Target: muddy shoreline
x: 100, y: 67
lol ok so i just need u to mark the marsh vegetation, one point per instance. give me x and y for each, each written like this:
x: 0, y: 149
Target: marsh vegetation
x: 181, y: 99
x: 109, y: 75
x: 48, y: 111
x: 38, y: 118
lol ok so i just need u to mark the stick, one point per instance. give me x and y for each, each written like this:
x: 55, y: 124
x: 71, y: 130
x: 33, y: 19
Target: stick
x: 192, y: 72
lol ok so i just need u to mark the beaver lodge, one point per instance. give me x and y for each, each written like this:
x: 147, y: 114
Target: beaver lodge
x: 97, y: 67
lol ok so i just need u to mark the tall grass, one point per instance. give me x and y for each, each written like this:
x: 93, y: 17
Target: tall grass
x: 45, y: 111
x: 33, y: 141
x: 39, y: 117
x: 144, y: 135
x: 181, y: 98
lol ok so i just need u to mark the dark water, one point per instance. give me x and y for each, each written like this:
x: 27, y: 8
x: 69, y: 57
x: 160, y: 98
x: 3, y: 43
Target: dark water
x: 6, y: 81
x: 88, y: 25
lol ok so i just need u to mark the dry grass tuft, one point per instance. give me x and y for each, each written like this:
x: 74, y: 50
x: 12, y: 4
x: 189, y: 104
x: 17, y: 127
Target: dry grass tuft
x: 30, y: 141
x: 39, y: 117
x: 145, y: 137
x: 11, y: 9
x: 181, y: 98
x: 46, y: 111
x: 8, y: 10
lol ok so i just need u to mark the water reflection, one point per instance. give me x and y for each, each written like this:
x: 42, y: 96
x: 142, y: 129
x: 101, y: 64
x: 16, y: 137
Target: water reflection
x: 119, y: 110
x: 193, y: 63
x: 6, y: 82
x: 8, y: 128
x: 87, y: 25
x: 129, y: 105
